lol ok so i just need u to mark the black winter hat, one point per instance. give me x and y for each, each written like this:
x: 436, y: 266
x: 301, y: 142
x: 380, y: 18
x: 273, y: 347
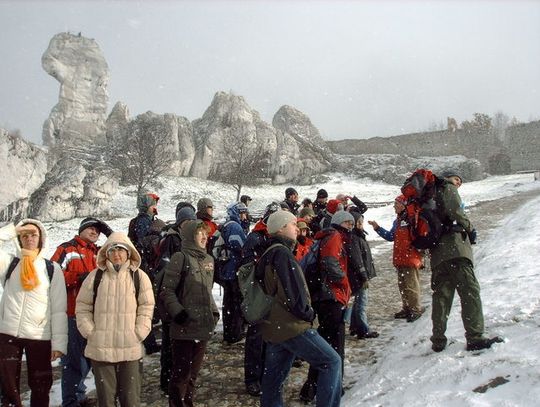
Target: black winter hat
x: 290, y: 191
x: 245, y: 199
x: 451, y: 172
x: 321, y: 193
x: 101, y: 226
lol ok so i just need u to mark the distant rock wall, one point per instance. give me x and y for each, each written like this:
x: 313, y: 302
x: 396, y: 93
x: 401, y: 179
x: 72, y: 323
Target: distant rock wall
x: 480, y: 145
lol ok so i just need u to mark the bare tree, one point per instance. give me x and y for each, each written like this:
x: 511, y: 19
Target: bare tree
x: 500, y: 123
x: 145, y: 153
x: 247, y: 163
x: 481, y: 122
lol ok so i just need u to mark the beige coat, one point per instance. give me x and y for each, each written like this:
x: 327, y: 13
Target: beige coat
x: 116, y: 327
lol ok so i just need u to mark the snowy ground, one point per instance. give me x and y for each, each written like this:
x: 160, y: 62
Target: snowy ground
x: 409, y: 373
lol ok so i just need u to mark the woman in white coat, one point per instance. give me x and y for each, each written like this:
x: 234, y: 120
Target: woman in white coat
x: 33, y: 315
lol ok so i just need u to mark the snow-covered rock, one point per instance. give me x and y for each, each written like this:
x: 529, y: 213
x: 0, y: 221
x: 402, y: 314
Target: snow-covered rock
x: 23, y: 170
x: 79, y: 117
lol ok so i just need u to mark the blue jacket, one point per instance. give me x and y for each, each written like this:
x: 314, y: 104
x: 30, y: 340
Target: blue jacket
x: 388, y: 234
x: 234, y: 237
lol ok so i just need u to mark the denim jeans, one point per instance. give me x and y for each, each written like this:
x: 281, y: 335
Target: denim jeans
x: 75, y: 367
x: 311, y: 347
x: 359, y: 323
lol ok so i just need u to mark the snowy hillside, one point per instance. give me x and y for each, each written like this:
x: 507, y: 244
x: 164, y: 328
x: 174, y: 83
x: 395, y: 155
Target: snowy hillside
x: 410, y: 374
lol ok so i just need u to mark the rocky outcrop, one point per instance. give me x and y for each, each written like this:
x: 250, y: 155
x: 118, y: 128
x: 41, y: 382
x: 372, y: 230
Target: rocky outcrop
x: 23, y: 171
x: 291, y: 152
x: 79, y: 117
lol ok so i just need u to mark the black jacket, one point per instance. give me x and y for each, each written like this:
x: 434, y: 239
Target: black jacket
x: 361, y: 267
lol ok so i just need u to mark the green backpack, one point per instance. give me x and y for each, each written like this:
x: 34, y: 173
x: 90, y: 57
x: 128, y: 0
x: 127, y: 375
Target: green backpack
x: 256, y: 303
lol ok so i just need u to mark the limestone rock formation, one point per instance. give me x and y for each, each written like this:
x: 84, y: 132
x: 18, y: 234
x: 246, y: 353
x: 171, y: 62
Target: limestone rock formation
x: 23, y: 170
x: 79, y: 117
x: 291, y: 152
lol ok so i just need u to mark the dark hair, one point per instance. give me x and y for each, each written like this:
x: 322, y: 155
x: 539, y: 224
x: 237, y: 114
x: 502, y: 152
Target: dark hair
x: 307, y: 202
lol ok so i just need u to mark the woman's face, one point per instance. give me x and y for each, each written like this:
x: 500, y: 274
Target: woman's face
x: 30, y: 237
x: 201, y: 237
x: 117, y: 256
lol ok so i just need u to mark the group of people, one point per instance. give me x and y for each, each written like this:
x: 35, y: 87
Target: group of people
x: 94, y: 307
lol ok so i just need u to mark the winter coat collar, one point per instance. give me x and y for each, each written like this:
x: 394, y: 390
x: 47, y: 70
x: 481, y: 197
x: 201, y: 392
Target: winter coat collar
x: 285, y: 241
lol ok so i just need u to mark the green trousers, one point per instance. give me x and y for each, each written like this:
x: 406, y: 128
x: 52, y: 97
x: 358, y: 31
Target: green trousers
x: 447, y: 278
x: 120, y: 380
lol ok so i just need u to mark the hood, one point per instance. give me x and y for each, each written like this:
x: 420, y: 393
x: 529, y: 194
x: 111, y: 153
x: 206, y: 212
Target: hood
x: 233, y: 211
x: 42, y: 230
x: 260, y: 226
x: 188, y: 236
x: 118, y: 237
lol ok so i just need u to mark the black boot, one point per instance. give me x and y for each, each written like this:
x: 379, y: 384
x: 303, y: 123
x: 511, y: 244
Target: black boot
x: 484, y: 343
x: 308, y: 392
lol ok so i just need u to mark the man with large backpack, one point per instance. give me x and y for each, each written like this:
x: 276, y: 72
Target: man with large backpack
x: 33, y: 320
x: 330, y: 299
x: 234, y: 238
x: 453, y: 270
x: 77, y: 258
x: 288, y: 330
x: 256, y: 244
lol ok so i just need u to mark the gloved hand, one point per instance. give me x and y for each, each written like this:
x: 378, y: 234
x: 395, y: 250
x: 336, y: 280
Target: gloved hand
x: 181, y: 317
x: 472, y: 236
x: 105, y: 229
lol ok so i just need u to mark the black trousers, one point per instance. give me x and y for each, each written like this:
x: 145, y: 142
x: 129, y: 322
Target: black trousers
x: 233, y: 321
x: 187, y: 358
x: 332, y: 329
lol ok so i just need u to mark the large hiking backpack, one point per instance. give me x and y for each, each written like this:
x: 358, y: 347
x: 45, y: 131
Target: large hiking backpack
x: 310, y: 266
x: 426, y: 226
x: 256, y: 302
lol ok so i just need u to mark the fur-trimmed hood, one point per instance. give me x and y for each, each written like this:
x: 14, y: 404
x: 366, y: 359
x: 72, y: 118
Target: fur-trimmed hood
x: 42, y: 231
x: 118, y: 237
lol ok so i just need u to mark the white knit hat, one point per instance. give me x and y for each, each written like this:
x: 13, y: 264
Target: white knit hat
x: 279, y: 219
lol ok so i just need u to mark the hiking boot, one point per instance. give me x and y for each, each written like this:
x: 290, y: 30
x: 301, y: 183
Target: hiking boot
x: 88, y: 402
x: 413, y: 316
x: 438, y: 347
x: 253, y: 389
x: 484, y: 343
x: 370, y: 334
x: 401, y: 314
x: 308, y: 392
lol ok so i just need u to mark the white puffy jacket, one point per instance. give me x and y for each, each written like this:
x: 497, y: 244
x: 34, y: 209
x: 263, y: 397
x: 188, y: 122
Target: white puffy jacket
x: 41, y: 312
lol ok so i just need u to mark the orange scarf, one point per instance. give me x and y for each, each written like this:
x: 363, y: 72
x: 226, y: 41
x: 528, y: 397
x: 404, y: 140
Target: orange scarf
x: 29, y: 278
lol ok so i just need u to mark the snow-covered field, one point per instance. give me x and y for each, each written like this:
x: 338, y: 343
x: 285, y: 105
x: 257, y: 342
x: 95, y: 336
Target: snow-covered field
x: 409, y: 373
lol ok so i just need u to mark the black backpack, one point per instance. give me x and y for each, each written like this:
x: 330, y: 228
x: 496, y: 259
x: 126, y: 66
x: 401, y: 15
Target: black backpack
x: 48, y: 264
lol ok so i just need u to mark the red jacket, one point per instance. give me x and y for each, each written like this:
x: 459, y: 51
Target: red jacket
x: 303, y: 249
x: 75, y: 257
x: 334, y: 262
x: 405, y: 254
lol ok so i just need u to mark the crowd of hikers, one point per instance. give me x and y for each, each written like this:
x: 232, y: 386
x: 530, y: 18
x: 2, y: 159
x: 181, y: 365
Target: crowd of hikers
x: 307, y: 264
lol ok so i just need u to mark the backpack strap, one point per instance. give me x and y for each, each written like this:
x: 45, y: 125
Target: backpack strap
x: 137, y: 282
x: 97, y: 280
x: 48, y: 264
x: 183, y: 273
x: 11, y: 267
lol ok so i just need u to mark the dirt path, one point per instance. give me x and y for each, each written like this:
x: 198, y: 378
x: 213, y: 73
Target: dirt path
x: 221, y: 379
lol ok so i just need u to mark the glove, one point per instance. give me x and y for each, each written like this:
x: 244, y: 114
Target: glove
x: 472, y: 236
x: 105, y: 229
x: 181, y: 317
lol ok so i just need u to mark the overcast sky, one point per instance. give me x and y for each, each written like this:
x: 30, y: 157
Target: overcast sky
x: 358, y: 69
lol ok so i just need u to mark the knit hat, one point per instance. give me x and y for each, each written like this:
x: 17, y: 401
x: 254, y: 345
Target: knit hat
x: 401, y: 199
x: 270, y: 209
x: 277, y: 220
x: 451, y: 172
x: 290, y: 191
x: 307, y: 212
x: 321, y: 193
x: 356, y: 215
x: 341, y: 216
x: 145, y: 201
x: 88, y: 222
x: 119, y: 246
x: 334, y: 205
x: 204, y: 203
x: 186, y: 213
x: 245, y: 199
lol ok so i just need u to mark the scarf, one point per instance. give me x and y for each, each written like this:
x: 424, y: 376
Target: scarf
x: 29, y: 278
